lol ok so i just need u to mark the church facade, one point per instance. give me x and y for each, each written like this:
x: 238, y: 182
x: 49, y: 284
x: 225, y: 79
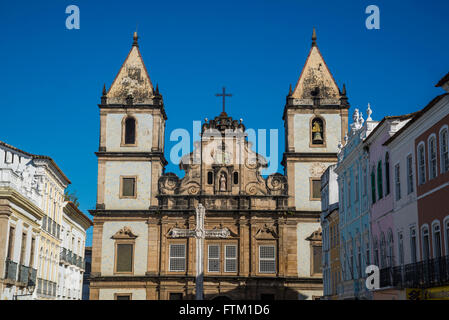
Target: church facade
x: 263, y: 237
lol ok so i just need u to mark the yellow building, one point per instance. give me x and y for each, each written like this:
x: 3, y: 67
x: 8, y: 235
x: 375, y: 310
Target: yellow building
x: 52, y: 204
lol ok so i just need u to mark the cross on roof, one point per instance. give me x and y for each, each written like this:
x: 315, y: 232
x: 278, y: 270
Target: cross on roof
x: 224, y: 95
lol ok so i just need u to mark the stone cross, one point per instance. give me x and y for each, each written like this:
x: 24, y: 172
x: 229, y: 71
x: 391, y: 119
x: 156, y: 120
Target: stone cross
x: 200, y: 234
x: 224, y: 95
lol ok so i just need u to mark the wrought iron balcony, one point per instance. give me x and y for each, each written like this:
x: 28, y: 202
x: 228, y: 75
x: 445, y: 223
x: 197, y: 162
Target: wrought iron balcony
x: 24, y: 274
x: 423, y: 274
x: 32, y: 278
x: 10, y: 270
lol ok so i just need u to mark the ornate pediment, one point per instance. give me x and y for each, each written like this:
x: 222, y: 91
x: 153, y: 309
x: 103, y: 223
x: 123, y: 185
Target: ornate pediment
x: 316, y: 236
x: 124, y: 233
x: 266, y: 233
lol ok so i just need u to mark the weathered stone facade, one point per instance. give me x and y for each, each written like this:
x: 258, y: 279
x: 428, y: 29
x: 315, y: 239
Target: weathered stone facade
x: 269, y: 253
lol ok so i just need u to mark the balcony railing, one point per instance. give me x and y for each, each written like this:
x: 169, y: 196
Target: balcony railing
x: 423, y: 274
x: 10, y: 270
x: 24, y: 274
x: 46, y: 288
x: 71, y: 258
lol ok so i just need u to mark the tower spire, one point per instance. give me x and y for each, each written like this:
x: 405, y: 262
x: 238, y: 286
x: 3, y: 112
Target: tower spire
x: 314, y: 37
x: 135, y: 39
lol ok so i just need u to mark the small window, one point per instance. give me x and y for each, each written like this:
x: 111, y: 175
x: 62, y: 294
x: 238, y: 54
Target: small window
x: 236, y: 178
x: 421, y: 165
x: 432, y: 158
x: 444, y: 151
x: 436, y: 241
x: 124, y: 257
x: 387, y: 174
x: 128, y: 187
x: 210, y: 177
x: 177, y: 257
x: 316, y: 189
x: 317, y: 262
x: 231, y: 258
x: 130, y: 130
x: 175, y: 296
x: 397, y: 182
x: 267, y: 259
x: 317, y: 132
x: 379, y: 180
x: 409, y: 174
x: 426, y: 244
x: 126, y: 296
x: 213, y: 258
x: 413, y: 245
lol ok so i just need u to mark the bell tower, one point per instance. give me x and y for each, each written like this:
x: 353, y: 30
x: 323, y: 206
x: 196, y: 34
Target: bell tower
x: 315, y: 120
x: 132, y: 127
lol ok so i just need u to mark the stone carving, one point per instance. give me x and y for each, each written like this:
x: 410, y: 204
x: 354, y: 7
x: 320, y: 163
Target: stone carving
x: 168, y: 183
x: 266, y: 233
x: 124, y: 233
x: 277, y: 184
x: 317, y: 169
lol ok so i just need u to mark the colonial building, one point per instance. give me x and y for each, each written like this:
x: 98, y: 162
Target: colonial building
x: 20, y: 220
x: 354, y: 208
x: 331, y: 234
x: 31, y: 207
x: 72, y: 263
x: 262, y: 235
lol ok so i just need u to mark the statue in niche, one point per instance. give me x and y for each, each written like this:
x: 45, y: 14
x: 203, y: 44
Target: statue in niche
x: 223, y: 182
x: 317, y: 131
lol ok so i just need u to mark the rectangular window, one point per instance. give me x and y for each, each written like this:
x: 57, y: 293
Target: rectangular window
x: 437, y: 241
x: 316, y: 189
x: 177, y: 257
x: 213, y: 260
x: 397, y: 181
x: 413, y: 244
x: 175, y: 296
x: 401, y: 248
x: 128, y: 187
x: 267, y: 259
x: 231, y: 258
x: 11, y: 242
x: 444, y: 151
x: 357, y: 187
x: 317, y: 260
x: 433, y: 158
x: 409, y: 174
x: 421, y: 165
x: 124, y: 257
x: 33, y: 248
x: 426, y: 245
x: 124, y: 296
x: 23, y: 249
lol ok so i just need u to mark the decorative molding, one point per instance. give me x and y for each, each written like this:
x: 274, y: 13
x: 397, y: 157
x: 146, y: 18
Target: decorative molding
x: 124, y: 233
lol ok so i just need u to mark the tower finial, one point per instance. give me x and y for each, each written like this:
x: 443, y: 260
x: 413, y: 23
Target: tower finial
x: 290, y: 91
x: 135, y: 38
x: 104, y: 90
x: 314, y: 37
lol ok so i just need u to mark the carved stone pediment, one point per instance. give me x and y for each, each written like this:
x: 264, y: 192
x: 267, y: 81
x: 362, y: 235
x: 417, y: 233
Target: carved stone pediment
x: 316, y: 236
x: 266, y: 233
x: 123, y: 234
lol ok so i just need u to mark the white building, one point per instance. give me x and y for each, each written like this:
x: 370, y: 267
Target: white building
x: 21, y: 189
x: 72, y: 262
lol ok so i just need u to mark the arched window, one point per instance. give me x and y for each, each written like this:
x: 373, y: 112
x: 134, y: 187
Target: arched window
x: 236, y: 177
x: 432, y: 158
x: 425, y: 243
x: 317, y: 131
x: 373, y: 186
x: 387, y: 174
x: 421, y: 165
x: 436, y: 240
x: 379, y: 180
x: 130, y: 130
x: 444, y: 150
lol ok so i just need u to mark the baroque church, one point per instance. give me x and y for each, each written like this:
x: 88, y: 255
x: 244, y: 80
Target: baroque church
x: 261, y: 235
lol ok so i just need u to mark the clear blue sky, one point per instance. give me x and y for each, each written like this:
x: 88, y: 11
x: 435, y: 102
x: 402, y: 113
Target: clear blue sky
x: 52, y: 77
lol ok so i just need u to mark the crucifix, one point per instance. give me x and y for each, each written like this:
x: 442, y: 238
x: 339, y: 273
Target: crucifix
x: 224, y: 95
x: 200, y: 234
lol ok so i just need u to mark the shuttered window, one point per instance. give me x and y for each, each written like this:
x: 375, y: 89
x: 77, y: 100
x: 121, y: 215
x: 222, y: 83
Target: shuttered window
x: 213, y: 258
x: 267, y: 259
x: 124, y: 257
x: 231, y: 258
x: 177, y: 257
